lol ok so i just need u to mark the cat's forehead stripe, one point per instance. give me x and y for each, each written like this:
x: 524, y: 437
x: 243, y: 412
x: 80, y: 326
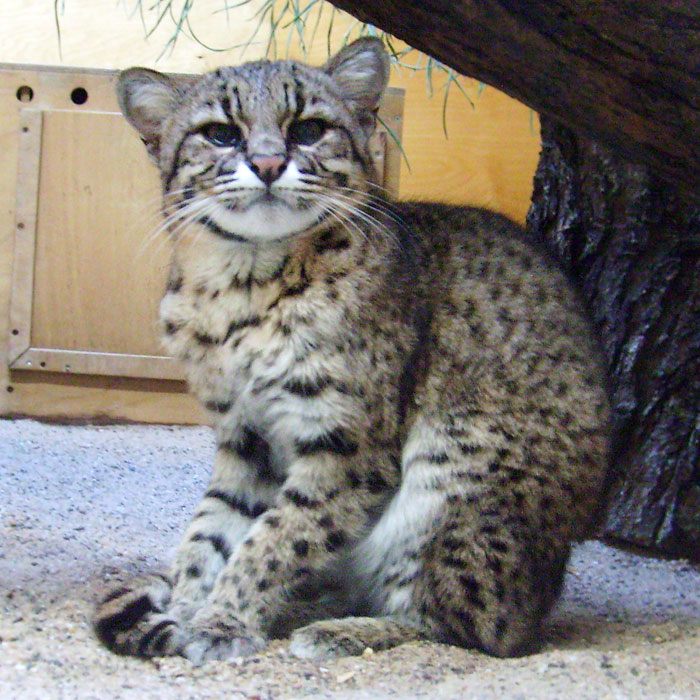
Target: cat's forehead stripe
x: 225, y: 102
x: 242, y: 92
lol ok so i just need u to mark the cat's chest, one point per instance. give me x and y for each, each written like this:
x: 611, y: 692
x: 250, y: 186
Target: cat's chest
x: 242, y: 346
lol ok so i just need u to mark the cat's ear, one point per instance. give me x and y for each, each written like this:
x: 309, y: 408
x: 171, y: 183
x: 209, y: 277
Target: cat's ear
x: 361, y: 70
x: 146, y: 98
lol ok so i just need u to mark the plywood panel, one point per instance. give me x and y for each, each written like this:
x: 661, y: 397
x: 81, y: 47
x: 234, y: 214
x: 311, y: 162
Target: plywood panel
x: 488, y: 157
x: 71, y: 397
x: 91, y: 250
x: 97, y: 275
x: 111, y: 34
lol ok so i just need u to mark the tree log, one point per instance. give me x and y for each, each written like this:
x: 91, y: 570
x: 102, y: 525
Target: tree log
x: 633, y: 246
x: 624, y: 71
x: 617, y: 85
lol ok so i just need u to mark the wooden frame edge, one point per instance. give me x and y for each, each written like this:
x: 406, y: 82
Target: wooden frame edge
x: 99, y: 363
x: 25, y: 225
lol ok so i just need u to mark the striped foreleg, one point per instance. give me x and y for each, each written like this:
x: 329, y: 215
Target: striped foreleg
x: 144, y: 617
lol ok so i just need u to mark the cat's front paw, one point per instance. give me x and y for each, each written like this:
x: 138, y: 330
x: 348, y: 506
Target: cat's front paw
x: 214, y: 635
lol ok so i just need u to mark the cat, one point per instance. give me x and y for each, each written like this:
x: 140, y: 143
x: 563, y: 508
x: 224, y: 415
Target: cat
x: 411, y: 418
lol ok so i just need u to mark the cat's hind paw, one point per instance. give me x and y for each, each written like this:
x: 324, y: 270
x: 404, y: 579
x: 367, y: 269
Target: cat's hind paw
x: 321, y: 641
x: 350, y: 636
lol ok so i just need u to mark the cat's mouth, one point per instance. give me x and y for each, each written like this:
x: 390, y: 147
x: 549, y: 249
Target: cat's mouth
x: 246, y: 208
x: 266, y: 217
x: 269, y: 197
x: 265, y: 198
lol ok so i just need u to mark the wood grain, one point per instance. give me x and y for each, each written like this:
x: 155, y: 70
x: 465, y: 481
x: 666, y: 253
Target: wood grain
x: 98, y: 276
x: 75, y: 397
x: 488, y: 157
x: 29, y: 166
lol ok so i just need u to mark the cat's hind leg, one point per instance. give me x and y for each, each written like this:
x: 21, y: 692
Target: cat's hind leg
x: 382, y: 572
x: 471, y: 550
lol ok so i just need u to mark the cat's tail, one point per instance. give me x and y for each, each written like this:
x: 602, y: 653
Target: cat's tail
x: 131, y: 619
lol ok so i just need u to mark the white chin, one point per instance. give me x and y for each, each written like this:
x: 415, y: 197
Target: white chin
x: 266, y: 221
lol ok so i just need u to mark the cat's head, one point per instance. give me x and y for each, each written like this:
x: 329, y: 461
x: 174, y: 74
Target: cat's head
x: 265, y: 150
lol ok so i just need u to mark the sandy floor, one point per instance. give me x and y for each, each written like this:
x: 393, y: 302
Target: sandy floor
x: 81, y: 505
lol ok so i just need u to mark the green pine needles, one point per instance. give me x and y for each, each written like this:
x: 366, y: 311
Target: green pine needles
x: 279, y: 24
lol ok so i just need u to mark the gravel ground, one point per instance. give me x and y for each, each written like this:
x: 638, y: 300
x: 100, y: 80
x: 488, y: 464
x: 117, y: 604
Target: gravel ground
x: 80, y: 505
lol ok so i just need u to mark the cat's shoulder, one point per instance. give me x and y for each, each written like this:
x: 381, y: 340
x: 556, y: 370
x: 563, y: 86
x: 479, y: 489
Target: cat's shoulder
x: 470, y: 228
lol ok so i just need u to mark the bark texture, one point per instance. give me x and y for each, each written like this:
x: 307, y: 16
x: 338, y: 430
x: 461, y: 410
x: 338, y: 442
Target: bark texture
x: 625, y: 71
x: 633, y: 246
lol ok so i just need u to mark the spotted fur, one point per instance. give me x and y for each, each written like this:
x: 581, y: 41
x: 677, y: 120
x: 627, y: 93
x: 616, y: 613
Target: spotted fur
x: 411, y: 422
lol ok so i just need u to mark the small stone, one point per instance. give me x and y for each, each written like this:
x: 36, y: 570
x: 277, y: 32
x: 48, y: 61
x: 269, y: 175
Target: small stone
x: 345, y: 677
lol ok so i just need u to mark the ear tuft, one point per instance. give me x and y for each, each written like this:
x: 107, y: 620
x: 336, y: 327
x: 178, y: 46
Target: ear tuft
x: 361, y: 70
x: 146, y: 98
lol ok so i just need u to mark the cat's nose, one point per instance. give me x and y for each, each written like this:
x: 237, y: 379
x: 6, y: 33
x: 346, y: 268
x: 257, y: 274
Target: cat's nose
x: 267, y: 168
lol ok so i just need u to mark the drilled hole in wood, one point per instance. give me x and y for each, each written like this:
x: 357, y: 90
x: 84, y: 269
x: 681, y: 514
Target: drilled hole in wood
x: 79, y: 96
x: 42, y: 364
x: 25, y: 93
x: 15, y: 331
x: 20, y: 225
x: 10, y: 389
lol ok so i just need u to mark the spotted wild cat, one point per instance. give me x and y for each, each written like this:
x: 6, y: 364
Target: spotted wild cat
x: 410, y: 416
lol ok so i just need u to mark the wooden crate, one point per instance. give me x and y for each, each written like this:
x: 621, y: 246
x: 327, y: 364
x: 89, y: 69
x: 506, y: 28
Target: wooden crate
x: 78, y: 260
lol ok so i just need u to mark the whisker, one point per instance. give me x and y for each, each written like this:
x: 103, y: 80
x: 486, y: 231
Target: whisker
x: 343, y: 219
x: 160, y: 215
x: 362, y: 213
x: 380, y: 203
x: 185, y: 214
x: 350, y: 211
x: 222, y: 180
x: 372, y: 206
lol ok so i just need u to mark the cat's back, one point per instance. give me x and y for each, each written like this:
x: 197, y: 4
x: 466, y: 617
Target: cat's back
x: 478, y: 242
x: 481, y: 267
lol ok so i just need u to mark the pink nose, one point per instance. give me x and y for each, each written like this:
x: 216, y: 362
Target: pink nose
x: 267, y: 168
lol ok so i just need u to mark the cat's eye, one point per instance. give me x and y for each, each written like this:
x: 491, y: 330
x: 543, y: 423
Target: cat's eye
x: 307, y: 131
x: 222, y: 134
